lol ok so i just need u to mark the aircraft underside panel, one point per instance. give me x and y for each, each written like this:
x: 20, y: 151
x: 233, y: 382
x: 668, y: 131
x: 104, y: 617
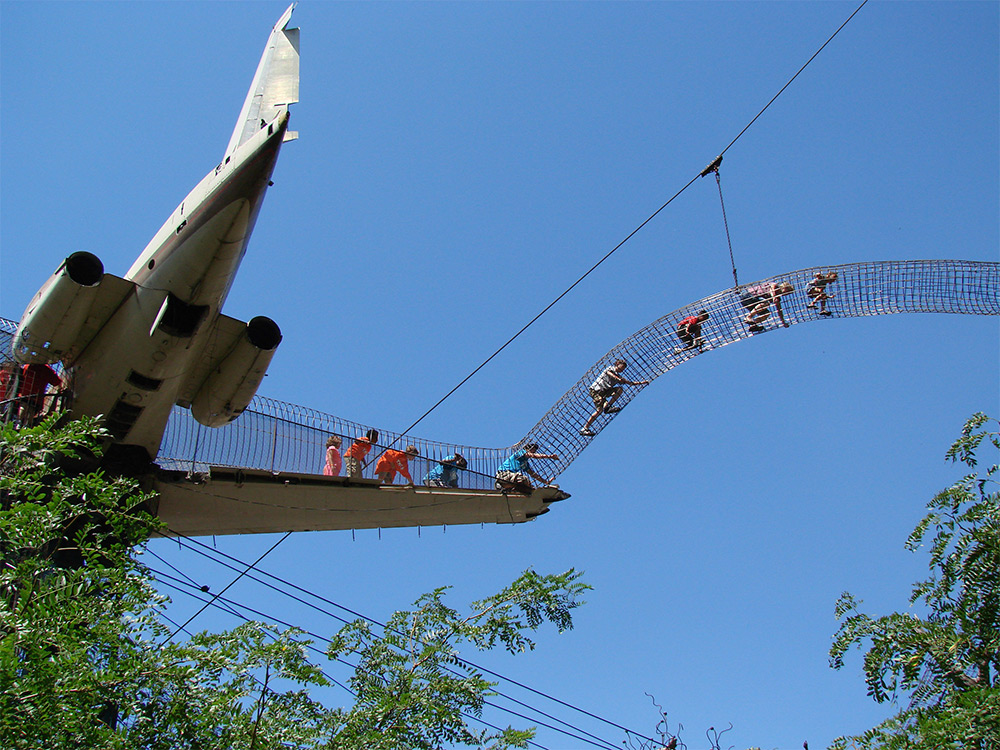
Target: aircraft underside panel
x: 235, y: 501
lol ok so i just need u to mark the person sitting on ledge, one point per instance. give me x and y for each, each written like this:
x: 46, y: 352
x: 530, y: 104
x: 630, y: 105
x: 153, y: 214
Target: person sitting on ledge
x: 514, y: 472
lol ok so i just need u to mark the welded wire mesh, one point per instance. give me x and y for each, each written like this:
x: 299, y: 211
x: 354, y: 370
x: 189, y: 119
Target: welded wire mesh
x: 861, y: 289
x: 277, y: 436
x: 281, y: 437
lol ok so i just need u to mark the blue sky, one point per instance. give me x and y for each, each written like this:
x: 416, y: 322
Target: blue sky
x: 460, y: 164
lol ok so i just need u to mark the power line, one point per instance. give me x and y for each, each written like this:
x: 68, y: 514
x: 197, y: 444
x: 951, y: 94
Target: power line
x: 604, y: 744
x: 248, y: 569
x: 385, y: 627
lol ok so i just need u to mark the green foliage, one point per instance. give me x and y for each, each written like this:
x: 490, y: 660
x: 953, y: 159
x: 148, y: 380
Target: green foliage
x: 947, y: 660
x: 86, y: 660
x: 413, y: 688
x: 970, y: 719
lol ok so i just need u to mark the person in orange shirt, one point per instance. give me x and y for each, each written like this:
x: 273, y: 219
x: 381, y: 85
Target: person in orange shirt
x: 357, y: 452
x: 392, y: 461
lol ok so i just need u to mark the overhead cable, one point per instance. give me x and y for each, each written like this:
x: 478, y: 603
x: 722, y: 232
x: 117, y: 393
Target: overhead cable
x: 179, y: 584
x: 386, y: 627
x: 633, y: 232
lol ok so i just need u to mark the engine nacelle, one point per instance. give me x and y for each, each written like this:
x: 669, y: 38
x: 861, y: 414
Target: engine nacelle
x: 51, y: 324
x: 234, y: 381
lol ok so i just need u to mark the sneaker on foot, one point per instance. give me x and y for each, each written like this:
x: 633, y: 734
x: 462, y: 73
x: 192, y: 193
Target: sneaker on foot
x: 613, y: 410
x: 586, y: 433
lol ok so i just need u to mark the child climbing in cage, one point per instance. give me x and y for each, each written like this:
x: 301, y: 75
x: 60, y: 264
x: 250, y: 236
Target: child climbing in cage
x: 689, y: 331
x: 817, y: 291
x: 392, y: 461
x: 758, y: 300
x: 445, y: 474
x: 605, y: 391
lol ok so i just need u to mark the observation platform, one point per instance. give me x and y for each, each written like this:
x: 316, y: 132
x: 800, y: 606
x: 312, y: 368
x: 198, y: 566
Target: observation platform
x: 224, y: 500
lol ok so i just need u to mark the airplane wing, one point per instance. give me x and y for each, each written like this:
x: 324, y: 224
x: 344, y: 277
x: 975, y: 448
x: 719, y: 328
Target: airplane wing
x: 275, y: 84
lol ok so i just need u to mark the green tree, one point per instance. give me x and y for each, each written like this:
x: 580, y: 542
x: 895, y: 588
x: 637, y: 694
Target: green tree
x: 946, y: 661
x: 87, y: 661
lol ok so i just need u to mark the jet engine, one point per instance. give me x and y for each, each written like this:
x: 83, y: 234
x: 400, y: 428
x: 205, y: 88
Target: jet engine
x: 233, y: 382
x: 51, y: 324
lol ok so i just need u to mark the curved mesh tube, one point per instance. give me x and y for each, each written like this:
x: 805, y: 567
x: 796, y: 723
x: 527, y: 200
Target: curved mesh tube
x: 279, y: 436
x: 861, y: 289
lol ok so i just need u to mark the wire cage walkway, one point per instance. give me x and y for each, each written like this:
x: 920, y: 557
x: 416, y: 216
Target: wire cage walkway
x: 281, y: 437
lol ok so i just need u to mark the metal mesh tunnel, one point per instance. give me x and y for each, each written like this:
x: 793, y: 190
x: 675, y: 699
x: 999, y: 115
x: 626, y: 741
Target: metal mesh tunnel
x: 280, y: 437
x: 861, y: 290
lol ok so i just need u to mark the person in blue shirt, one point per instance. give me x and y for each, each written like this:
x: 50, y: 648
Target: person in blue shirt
x: 445, y: 474
x: 514, y: 472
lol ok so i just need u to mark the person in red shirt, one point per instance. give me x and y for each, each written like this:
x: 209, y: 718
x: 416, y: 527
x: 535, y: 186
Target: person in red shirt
x: 392, y: 461
x: 35, y: 379
x: 357, y: 452
x: 689, y: 331
x: 8, y: 387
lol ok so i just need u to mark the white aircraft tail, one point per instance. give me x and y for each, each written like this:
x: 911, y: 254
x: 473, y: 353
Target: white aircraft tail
x: 275, y: 84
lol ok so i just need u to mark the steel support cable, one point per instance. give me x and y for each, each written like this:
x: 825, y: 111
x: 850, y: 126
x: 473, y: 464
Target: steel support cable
x: 773, y: 98
x: 547, y: 308
x: 604, y: 744
x: 636, y: 230
x: 714, y: 166
x: 385, y: 627
x: 725, y: 222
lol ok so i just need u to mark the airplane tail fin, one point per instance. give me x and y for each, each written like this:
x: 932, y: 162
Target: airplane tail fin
x: 275, y: 84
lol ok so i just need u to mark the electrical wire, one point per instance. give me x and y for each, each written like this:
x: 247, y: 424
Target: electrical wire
x: 601, y: 743
x: 632, y: 233
x: 385, y: 627
x: 249, y: 568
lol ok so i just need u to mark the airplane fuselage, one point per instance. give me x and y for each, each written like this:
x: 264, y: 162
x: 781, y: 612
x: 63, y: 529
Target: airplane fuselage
x: 131, y: 347
x: 134, y: 369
